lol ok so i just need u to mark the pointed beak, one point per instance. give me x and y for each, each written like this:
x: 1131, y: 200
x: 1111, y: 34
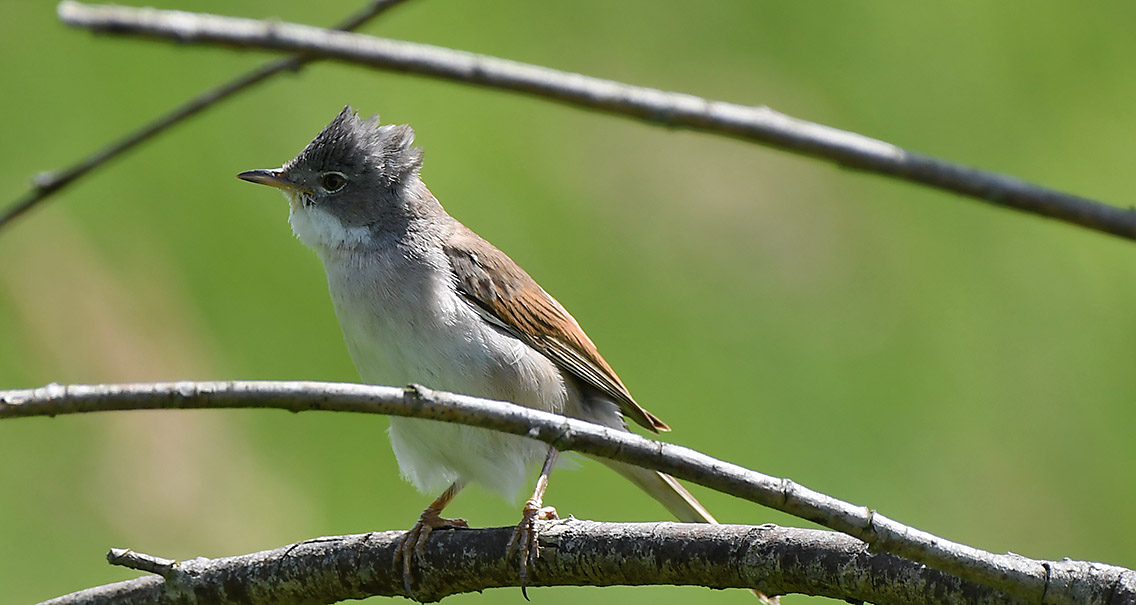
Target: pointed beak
x: 272, y: 178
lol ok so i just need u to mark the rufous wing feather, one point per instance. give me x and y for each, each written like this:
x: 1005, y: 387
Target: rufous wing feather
x: 506, y: 295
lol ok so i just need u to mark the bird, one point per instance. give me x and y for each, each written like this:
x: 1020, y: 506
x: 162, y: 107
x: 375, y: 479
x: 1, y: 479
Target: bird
x: 422, y: 299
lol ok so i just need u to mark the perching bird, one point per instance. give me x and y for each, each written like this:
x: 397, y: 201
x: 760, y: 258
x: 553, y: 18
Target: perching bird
x: 423, y: 299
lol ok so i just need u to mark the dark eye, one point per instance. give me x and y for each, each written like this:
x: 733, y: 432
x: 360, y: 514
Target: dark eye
x: 333, y: 181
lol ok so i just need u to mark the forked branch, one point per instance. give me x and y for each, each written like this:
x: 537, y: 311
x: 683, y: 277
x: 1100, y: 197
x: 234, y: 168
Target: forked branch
x: 46, y: 184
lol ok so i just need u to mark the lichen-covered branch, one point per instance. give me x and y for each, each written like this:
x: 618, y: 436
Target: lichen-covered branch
x: 753, y: 123
x: 772, y: 559
x: 1032, y: 580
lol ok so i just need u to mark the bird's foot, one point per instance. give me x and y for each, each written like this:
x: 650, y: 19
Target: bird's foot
x: 414, y: 542
x: 524, y: 538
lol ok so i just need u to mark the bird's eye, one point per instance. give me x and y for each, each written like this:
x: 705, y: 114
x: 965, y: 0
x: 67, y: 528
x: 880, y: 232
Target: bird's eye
x: 333, y: 181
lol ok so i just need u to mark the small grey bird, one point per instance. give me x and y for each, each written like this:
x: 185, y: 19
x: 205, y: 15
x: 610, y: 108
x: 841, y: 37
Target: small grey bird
x: 422, y: 299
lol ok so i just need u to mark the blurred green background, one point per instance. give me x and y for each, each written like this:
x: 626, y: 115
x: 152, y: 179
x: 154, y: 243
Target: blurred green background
x: 963, y: 369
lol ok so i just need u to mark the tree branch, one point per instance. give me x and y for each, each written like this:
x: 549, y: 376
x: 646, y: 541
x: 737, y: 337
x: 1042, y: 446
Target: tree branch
x: 772, y: 559
x: 1035, y: 581
x: 758, y: 124
x: 47, y: 183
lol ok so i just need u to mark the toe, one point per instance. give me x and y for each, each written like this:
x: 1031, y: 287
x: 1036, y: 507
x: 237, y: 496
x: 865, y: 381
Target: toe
x: 547, y: 513
x: 420, y: 543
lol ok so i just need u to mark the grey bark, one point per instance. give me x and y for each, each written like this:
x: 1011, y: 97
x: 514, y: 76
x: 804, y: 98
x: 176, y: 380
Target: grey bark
x: 1032, y: 580
x: 753, y: 123
x: 46, y: 184
x: 772, y: 559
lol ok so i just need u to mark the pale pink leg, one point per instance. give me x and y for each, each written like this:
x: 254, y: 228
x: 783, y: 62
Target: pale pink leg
x: 525, y: 536
x: 414, y: 542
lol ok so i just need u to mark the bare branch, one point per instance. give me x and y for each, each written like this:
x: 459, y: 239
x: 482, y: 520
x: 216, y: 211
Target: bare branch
x: 140, y: 561
x: 759, y: 124
x: 47, y: 183
x: 772, y: 559
x: 1057, y: 582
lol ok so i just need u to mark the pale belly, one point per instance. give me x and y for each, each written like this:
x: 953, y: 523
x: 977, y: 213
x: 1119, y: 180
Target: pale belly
x: 437, y: 340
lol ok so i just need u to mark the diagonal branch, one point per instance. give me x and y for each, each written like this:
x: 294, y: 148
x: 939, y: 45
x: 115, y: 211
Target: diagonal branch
x: 753, y: 123
x: 1058, y: 582
x: 47, y: 183
x: 772, y: 559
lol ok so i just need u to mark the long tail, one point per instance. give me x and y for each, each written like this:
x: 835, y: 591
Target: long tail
x: 664, y: 488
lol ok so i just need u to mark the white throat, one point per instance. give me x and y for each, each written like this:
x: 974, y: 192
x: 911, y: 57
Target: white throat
x: 321, y: 231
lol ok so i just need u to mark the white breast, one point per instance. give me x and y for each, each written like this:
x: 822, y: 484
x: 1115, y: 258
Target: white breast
x: 404, y: 323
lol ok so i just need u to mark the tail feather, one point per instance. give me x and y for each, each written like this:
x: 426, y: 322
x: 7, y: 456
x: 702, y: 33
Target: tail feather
x: 664, y: 488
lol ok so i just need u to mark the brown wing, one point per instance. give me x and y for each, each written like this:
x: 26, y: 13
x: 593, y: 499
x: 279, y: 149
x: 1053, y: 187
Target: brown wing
x: 502, y: 291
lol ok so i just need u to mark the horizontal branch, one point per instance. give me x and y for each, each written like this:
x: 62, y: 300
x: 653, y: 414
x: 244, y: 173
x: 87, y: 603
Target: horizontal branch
x: 753, y: 123
x: 772, y: 559
x: 1057, y: 582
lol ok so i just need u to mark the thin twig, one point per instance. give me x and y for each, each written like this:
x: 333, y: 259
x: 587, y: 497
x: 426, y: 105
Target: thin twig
x: 573, y: 553
x: 1019, y: 576
x: 759, y: 124
x: 125, y: 557
x: 47, y: 183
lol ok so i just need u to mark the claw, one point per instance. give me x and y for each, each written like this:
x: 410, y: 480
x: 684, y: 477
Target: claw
x: 525, y: 539
x: 413, y: 543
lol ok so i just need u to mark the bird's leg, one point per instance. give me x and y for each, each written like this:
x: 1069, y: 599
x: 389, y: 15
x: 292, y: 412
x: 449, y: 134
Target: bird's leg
x: 414, y: 542
x: 524, y: 537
